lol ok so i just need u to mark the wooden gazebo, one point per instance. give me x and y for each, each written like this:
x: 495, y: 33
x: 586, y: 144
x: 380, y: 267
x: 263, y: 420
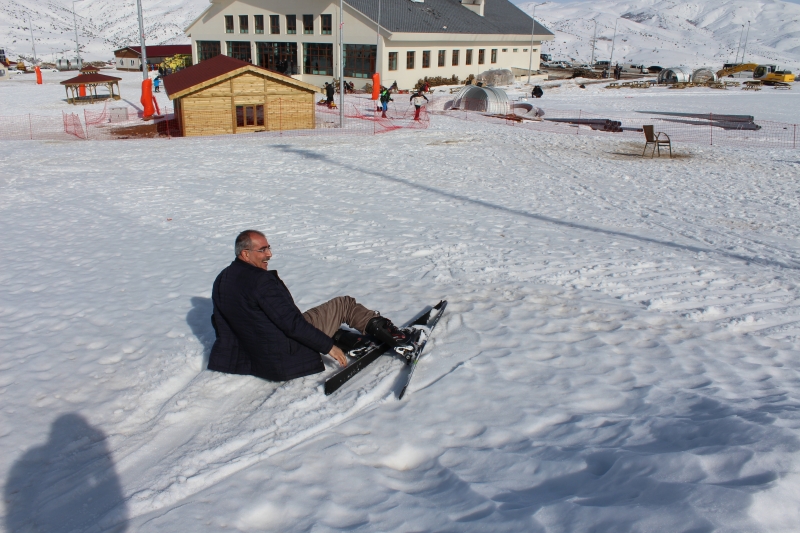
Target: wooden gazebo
x: 90, y: 81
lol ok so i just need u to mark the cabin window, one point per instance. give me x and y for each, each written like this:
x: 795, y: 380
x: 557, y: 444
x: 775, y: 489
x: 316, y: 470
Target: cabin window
x: 524, y: 49
x: 327, y: 24
x: 249, y: 115
x: 208, y: 49
x: 426, y: 59
x: 359, y: 60
x: 468, y: 59
x: 481, y: 56
x: 278, y: 57
x: 240, y: 50
x: 455, y: 58
x: 318, y: 59
x: 275, y: 24
x: 494, y: 55
x: 228, y: 23
x: 441, y: 57
x: 291, y: 24
x: 505, y: 50
x: 409, y: 60
x: 516, y: 50
x: 308, y: 24
x: 392, y: 60
x: 258, y: 22
x: 244, y: 24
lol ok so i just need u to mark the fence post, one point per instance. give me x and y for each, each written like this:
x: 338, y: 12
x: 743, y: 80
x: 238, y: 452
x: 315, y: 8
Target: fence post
x: 711, y: 126
x: 30, y: 126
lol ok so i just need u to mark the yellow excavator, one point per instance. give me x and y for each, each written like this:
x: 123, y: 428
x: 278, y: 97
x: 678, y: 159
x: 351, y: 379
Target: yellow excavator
x: 768, y: 74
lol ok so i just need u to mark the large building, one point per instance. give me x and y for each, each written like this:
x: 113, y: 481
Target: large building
x: 415, y: 38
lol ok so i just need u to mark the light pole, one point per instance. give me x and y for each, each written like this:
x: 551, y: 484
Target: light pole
x: 746, y: 35
x: 741, y: 34
x: 611, y: 59
x: 533, y: 32
x: 141, y: 39
x: 594, y: 42
x: 341, y: 63
x: 33, y: 44
x: 77, y: 46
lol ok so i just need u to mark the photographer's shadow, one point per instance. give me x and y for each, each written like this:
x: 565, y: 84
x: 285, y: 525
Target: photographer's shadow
x: 68, y: 484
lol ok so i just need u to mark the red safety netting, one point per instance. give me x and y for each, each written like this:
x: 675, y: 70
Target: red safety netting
x: 72, y: 125
x: 688, y: 130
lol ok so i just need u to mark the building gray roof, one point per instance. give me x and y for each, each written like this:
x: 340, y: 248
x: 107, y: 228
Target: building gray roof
x: 448, y: 16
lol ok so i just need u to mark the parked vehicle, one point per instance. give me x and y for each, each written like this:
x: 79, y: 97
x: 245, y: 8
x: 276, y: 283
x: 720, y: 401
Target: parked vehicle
x: 654, y: 69
x: 546, y: 57
x: 602, y: 64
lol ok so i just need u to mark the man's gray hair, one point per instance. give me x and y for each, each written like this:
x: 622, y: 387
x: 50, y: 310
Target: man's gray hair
x: 245, y: 239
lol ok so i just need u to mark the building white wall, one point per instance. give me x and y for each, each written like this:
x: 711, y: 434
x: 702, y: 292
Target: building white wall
x: 359, y: 30
x: 128, y: 63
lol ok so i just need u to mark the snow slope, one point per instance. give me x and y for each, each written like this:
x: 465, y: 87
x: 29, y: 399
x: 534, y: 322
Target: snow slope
x: 103, y: 25
x: 620, y: 351
x: 671, y: 32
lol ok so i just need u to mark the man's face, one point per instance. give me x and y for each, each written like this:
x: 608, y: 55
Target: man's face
x: 258, y: 254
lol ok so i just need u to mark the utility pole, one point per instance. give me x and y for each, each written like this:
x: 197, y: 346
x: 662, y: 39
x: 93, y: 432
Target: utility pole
x: 741, y: 34
x: 745, y: 40
x: 594, y: 42
x: 613, y: 40
x: 341, y: 63
x: 33, y: 44
x: 533, y: 32
x: 141, y: 39
x: 77, y: 46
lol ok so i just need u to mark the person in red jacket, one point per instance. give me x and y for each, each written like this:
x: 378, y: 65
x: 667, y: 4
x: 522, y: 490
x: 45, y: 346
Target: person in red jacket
x: 261, y: 332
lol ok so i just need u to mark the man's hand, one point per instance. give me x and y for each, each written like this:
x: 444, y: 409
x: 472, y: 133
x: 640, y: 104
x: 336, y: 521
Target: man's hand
x: 339, y: 355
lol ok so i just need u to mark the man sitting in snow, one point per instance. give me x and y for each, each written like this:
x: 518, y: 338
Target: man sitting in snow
x: 261, y: 332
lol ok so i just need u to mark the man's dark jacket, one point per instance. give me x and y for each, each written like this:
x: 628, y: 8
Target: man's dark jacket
x: 260, y: 331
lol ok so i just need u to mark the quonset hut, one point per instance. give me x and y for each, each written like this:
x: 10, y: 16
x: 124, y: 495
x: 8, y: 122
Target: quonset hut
x: 483, y: 99
x: 704, y: 75
x: 675, y: 75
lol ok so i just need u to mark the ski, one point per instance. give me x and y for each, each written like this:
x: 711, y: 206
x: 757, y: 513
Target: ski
x: 431, y: 323
x: 366, y: 355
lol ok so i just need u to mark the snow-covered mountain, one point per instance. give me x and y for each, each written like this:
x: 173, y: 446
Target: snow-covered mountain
x: 673, y: 32
x: 103, y: 25
x: 664, y: 32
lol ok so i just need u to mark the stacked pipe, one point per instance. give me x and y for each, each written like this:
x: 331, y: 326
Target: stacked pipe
x: 601, y: 124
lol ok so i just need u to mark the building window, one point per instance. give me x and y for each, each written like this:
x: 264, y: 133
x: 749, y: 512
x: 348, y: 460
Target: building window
x: 131, y: 62
x: 515, y: 50
x: 291, y: 24
x: 277, y: 57
x: 359, y: 60
x: 392, y: 60
x: 228, y: 23
x: 259, y: 23
x: 308, y: 24
x: 249, y: 115
x: 441, y: 58
x: 468, y: 59
x: 409, y: 60
x: 505, y: 50
x: 243, y: 24
x: 240, y: 50
x: 318, y: 59
x: 274, y: 24
x: 494, y: 55
x: 327, y: 24
x: 481, y: 56
x: 524, y: 49
x: 455, y: 58
x: 208, y: 49
x: 426, y: 59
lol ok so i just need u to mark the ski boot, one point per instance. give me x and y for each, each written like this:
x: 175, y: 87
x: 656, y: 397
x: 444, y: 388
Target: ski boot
x: 405, y: 341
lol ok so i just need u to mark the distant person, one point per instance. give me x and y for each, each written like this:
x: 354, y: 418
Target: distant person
x: 605, y: 73
x: 329, y: 92
x: 393, y: 88
x: 417, y: 98
x: 385, y: 98
x: 261, y: 332
x: 157, y: 83
x: 537, y: 91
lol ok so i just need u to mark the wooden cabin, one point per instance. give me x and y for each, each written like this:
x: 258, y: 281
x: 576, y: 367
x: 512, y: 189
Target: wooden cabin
x: 224, y: 95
